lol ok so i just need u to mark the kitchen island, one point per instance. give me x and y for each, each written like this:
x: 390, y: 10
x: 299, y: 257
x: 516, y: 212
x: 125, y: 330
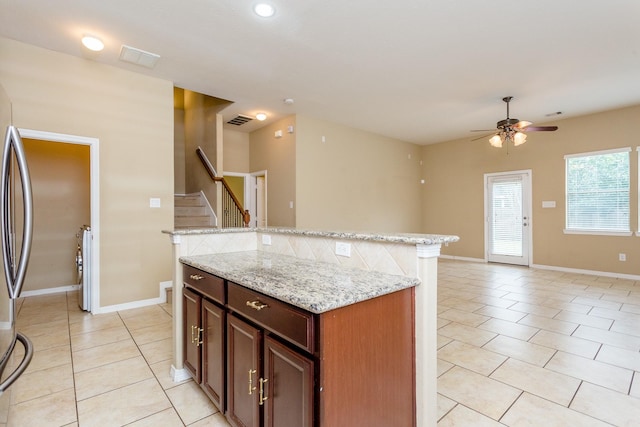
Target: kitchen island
x: 349, y: 270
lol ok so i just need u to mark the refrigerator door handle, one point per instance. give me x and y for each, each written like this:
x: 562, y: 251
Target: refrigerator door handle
x: 15, y: 274
x: 26, y: 359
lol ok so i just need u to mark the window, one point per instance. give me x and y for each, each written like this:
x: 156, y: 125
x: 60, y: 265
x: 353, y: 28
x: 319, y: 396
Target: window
x: 597, y: 191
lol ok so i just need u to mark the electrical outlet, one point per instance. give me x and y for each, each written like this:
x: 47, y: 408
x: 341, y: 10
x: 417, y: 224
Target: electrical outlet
x: 266, y: 239
x: 622, y: 257
x: 343, y: 249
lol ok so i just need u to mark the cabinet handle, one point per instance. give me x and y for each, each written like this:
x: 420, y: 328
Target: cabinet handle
x: 262, y: 396
x: 256, y: 305
x: 251, y: 387
x: 196, y: 277
x: 199, y: 336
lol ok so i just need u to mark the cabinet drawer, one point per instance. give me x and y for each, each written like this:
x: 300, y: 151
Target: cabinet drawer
x: 291, y: 323
x: 207, y: 284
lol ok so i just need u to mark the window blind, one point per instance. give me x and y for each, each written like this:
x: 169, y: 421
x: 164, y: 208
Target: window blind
x: 507, y: 218
x: 597, y: 191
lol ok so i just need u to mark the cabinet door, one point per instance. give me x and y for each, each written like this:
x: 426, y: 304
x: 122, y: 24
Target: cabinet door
x: 213, y: 373
x: 243, y: 373
x: 192, y: 334
x: 288, y: 387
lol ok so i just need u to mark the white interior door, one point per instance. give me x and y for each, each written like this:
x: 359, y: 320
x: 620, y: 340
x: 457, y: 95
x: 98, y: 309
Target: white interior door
x: 261, y: 202
x: 258, y: 202
x: 508, y: 217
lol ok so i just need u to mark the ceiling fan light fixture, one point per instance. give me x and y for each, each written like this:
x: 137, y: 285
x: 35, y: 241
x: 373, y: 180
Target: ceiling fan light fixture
x: 496, y: 141
x: 519, y: 138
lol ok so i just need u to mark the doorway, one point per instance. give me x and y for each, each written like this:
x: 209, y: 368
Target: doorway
x: 258, y: 201
x: 94, y: 190
x: 252, y: 190
x: 508, y: 217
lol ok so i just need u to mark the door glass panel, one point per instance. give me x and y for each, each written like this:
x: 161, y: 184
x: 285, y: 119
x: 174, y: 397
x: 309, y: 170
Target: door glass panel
x: 506, y: 226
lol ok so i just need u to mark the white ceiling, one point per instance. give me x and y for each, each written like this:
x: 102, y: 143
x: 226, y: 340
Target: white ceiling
x: 422, y: 71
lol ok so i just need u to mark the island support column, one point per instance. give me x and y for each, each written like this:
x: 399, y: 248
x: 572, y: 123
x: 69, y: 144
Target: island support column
x: 178, y: 372
x: 426, y: 319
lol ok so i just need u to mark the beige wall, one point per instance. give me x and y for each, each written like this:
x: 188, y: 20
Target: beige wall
x: 179, y: 143
x: 453, y: 195
x: 278, y: 157
x: 355, y: 180
x: 236, y: 151
x: 132, y: 116
x: 61, y: 201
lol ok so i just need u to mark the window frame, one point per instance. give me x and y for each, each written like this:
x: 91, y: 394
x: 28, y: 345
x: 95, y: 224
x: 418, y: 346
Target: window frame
x: 596, y: 232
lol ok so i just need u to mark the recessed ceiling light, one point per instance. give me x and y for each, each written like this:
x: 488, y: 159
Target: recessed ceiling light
x: 261, y: 116
x: 92, y: 43
x: 264, y: 10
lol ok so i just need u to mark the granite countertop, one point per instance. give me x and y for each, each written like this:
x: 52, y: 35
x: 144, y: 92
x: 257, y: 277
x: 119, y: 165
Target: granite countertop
x: 408, y: 238
x: 311, y: 285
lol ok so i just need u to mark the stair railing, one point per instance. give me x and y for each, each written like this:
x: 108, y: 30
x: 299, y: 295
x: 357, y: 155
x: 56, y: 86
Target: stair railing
x: 233, y: 215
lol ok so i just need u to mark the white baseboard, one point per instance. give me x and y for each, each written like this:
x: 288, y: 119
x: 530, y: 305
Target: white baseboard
x: 48, y: 291
x: 179, y: 375
x: 162, y: 299
x: 588, y: 272
x: 556, y: 268
x: 462, y: 258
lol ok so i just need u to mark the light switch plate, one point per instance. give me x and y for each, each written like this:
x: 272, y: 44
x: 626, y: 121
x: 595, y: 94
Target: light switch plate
x: 154, y: 202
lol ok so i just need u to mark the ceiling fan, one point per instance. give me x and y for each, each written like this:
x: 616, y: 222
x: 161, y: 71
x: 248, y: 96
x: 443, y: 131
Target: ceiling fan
x: 513, y: 130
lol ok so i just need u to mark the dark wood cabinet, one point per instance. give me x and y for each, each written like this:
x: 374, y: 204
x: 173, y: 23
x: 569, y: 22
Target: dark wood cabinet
x: 192, y: 331
x: 264, y: 362
x: 213, y: 352
x: 205, y: 334
x: 244, y: 344
x: 266, y: 380
x: 289, y: 387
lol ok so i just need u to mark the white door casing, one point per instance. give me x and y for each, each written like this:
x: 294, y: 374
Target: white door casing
x: 94, y: 159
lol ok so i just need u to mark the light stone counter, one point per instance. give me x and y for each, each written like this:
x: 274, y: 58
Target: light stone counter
x: 406, y: 238
x: 414, y: 257
x: 311, y: 285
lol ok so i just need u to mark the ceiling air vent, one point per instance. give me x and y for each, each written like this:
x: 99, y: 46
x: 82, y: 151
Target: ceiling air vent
x: 138, y: 56
x: 239, y: 120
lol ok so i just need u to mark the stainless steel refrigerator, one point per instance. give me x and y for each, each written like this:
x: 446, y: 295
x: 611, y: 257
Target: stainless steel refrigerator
x: 16, y: 229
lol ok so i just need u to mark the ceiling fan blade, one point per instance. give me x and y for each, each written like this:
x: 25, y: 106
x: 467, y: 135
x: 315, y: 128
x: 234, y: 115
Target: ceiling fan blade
x: 522, y: 124
x: 540, y: 128
x: 483, y: 136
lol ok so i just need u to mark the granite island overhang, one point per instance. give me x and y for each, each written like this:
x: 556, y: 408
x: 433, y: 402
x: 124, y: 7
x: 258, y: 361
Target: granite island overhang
x: 410, y: 257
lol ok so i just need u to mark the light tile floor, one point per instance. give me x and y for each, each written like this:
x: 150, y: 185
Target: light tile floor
x: 528, y: 347
x: 517, y: 347
x: 103, y: 370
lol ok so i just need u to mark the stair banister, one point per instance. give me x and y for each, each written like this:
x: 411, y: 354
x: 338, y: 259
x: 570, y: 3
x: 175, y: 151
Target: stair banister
x: 233, y: 213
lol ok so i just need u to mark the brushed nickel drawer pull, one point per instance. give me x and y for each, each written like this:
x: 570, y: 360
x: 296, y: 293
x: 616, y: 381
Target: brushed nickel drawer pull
x: 196, y: 277
x: 256, y: 305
